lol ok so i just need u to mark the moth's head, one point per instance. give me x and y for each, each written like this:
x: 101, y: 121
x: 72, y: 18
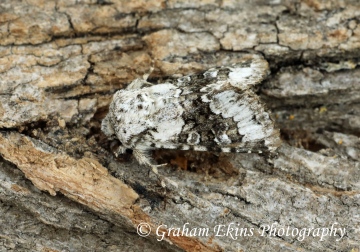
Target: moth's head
x: 107, y: 128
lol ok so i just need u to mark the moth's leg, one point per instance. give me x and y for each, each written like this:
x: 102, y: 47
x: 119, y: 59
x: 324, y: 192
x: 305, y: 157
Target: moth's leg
x: 120, y: 150
x: 144, y: 159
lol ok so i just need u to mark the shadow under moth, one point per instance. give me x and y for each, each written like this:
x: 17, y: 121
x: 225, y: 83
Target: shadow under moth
x: 213, y: 111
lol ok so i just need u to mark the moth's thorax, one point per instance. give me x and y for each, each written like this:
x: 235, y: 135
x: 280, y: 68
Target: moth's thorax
x: 150, y: 110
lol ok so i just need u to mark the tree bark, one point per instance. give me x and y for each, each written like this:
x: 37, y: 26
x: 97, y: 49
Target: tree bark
x: 62, y: 189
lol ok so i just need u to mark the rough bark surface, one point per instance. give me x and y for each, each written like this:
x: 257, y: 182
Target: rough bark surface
x: 62, y: 189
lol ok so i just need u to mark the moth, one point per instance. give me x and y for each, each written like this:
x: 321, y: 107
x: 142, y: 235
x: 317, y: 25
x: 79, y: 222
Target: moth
x: 216, y: 111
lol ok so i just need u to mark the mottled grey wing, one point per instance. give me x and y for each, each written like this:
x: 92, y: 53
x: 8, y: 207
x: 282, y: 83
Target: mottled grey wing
x: 216, y: 111
x: 227, y: 120
x: 221, y: 111
x: 251, y: 70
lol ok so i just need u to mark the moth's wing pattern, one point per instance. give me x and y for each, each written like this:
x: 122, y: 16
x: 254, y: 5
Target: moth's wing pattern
x: 222, y: 113
x: 227, y: 121
x: 216, y: 111
x: 251, y: 70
